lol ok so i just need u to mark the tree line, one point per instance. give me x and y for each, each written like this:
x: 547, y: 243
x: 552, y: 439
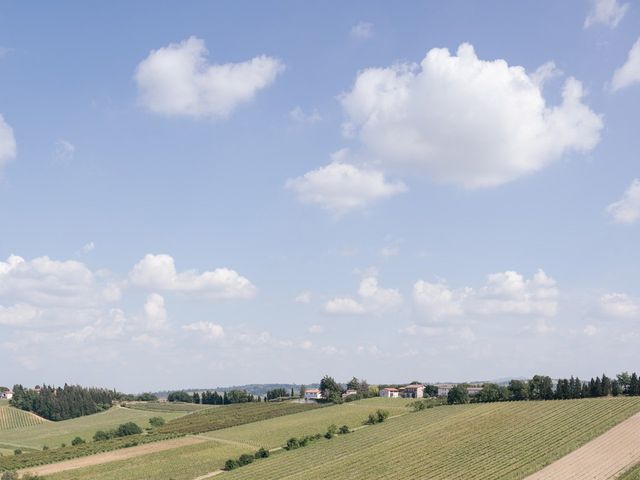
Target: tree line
x: 213, y: 398
x: 62, y: 403
x: 541, y: 387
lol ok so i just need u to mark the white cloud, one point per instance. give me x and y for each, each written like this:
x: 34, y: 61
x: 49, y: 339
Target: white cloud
x: 88, y: 247
x: 303, y: 297
x: 605, y: 12
x: 316, y: 329
x: 373, y: 300
x: 619, y: 305
x: 465, y: 121
x: 463, y: 333
x: 63, y: 150
x: 505, y: 293
x: 47, y: 282
x: 7, y: 143
x: 18, y: 315
x: 210, y: 330
x: 362, y: 31
x: 342, y: 187
x: 159, y: 272
x: 590, y: 330
x: 178, y: 80
x: 155, y: 312
x: 148, y: 340
x: 298, y: 115
x: 627, y: 209
x: 629, y: 73
x: 389, y: 251
x: 109, y: 328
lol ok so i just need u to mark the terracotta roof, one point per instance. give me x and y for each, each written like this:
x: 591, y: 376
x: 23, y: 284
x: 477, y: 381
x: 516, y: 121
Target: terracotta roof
x: 390, y: 389
x: 312, y: 390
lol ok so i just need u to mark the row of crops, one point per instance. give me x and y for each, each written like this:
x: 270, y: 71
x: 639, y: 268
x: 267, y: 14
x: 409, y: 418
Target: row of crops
x: 162, y: 407
x: 500, y: 441
x: 232, y: 415
x: 11, y: 418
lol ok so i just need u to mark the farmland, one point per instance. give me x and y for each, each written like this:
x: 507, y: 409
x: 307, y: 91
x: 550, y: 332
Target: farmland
x: 232, y: 415
x: 52, y: 434
x: 499, y: 441
x: 166, y: 407
x: 11, y: 418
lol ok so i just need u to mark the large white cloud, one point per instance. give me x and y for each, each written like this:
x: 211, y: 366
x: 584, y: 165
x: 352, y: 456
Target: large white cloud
x: 159, y: 272
x: 605, y: 12
x: 627, y: 209
x: 504, y: 293
x: 465, y: 121
x: 178, y: 80
x: 373, y: 299
x: 341, y: 187
x: 629, y: 73
x: 7, y: 143
x: 18, y: 315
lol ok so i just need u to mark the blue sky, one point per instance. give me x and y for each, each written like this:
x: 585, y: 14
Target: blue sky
x: 221, y: 193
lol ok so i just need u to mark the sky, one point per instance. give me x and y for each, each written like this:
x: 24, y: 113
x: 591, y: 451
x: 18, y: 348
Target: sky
x: 198, y: 194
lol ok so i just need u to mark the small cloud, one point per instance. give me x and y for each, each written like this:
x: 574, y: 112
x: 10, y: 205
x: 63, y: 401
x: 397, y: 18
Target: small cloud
x: 299, y: 115
x: 88, y: 247
x: 629, y: 73
x: 210, y: 330
x: 316, y: 329
x: 63, y: 151
x: 362, y: 31
x: 389, y: 252
x: 304, y: 297
x: 590, y: 330
x: 627, y: 209
x: 606, y: 12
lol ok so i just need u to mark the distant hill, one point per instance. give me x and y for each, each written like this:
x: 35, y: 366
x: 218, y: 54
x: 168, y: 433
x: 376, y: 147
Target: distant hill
x: 253, y: 388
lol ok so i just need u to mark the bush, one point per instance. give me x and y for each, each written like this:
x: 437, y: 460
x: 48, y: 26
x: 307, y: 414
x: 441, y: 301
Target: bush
x: 77, y: 441
x: 156, y: 421
x: 126, y: 429
x: 101, y: 435
x: 9, y: 476
x: 231, y: 464
x: 262, y: 453
x: 344, y: 429
x: 328, y: 435
x: 292, y: 443
x: 45, y: 448
x: 17, y: 451
x: 245, y: 459
x: 382, y: 415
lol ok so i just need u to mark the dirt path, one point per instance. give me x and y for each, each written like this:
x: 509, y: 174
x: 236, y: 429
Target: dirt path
x: 603, y: 458
x: 113, y: 456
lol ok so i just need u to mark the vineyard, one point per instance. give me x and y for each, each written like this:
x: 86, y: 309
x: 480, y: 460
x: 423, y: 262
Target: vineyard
x: 161, y: 407
x: 11, y: 418
x: 499, y: 441
x: 275, y: 432
x: 232, y: 415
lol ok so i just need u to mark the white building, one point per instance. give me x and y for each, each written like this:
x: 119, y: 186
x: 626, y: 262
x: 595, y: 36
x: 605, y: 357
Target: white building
x: 412, y: 391
x: 390, y: 393
x: 349, y: 392
x: 312, y: 394
x: 7, y: 394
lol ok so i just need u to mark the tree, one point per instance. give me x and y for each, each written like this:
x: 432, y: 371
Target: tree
x: 156, y: 422
x: 624, y: 379
x: 634, y: 387
x: 353, y: 384
x: 458, y: 394
x: 615, y: 388
x: 518, y: 390
x: 195, y: 398
x: 245, y: 459
x: 180, y: 396
x: 231, y: 464
x: 605, y: 385
x: 363, y: 389
x: 491, y: 393
x: 331, y: 390
x: 262, y: 453
x: 301, y: 391
x: 430, y: 391
x: 147, y: 397
x: 77, y: 441
x: 540, y: 388
x: 127, y: 429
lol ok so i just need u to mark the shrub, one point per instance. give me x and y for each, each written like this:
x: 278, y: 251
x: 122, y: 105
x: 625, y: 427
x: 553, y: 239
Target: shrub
x: 262, y: 453
x: 292, y: 443
x: 9, y: 476
x: 126, y: 429
x: 101, y: 435
x: 372, y: 419
x: 45, y: 448
x: 344, y: 429
x: 328, y: 435
x: 245, y: 459
x: 156, y: 421
x: 77, y: 441
x: 231, y: 464
x: 17, y: 451
x: 382, y: 415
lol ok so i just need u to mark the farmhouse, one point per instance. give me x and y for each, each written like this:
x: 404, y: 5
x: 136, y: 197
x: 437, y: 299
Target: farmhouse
x: 349, y: 392
x: 312, y: 394
x: 389, y: 393
x: 7, y: 394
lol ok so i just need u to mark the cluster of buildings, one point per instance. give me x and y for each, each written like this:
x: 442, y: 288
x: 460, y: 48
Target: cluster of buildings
x: 408, y: 391
x: 443, y: 389
x: 6, y: 394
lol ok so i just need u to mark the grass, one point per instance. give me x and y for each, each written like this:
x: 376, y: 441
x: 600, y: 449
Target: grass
x: 632, y: 474
x: 275, y: 431
x: 505, y: 441
x: 166, y: 407
x: 232, y: 415
x: 12, y: 418
x: 184, y: 463
x: 52, y: 434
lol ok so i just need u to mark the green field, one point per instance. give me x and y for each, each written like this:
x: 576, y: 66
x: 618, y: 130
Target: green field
x: 497, y: 441
x: 52, y: 434
x: 632, y: 474
x: 232, y: 415
x: 275, y: 431
x: 173, y: 407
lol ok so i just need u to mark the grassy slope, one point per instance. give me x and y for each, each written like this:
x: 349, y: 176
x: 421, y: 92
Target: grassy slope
x: 11, y: 418
x: 632, y: 474
x: 275, y: 431
x: 184, y: 463
x: 497, y: 441
x: 168, y: 407
x: 53, y: 434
